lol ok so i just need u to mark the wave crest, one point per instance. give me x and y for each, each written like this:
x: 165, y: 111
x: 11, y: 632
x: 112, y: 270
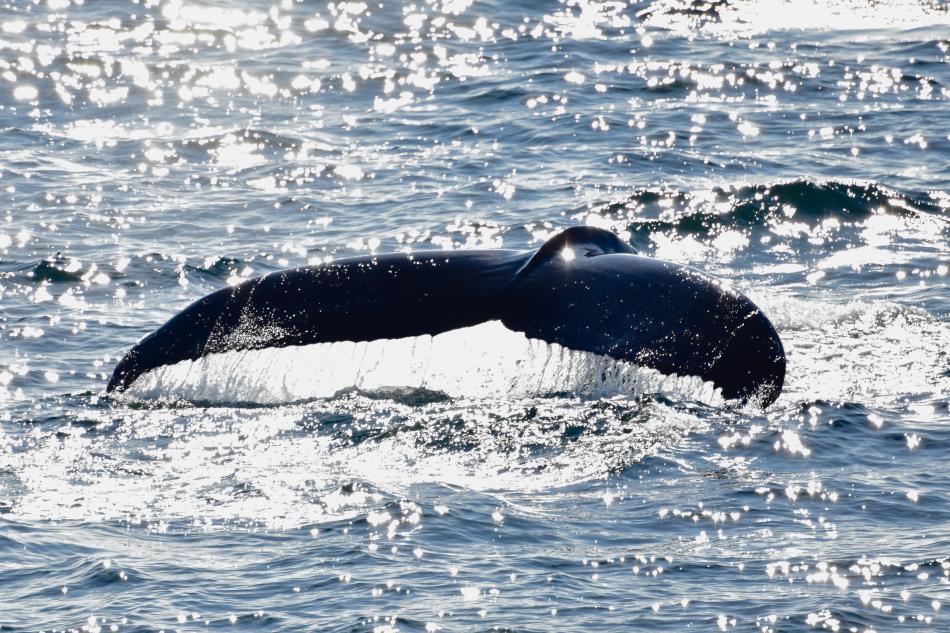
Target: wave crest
x: 649, y: 211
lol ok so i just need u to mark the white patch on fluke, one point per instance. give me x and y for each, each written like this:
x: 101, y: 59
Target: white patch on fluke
x: 484, y: 361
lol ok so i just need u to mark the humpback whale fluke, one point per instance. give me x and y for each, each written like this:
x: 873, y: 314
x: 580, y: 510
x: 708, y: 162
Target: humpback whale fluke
x: 584, y: 289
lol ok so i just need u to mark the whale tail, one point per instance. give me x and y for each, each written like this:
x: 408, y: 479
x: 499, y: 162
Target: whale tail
x: 584, y: 289
x: 751, y: 367
x: 587, y: 290
x: 577, y: 241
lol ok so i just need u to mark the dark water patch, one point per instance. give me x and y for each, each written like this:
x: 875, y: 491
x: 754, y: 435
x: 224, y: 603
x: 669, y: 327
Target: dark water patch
x: 314, y: 422
x: 219, y: 268
x: 409, y: 397
x: 272, y: 143
x: 761, y: 205
x: 58, y: 269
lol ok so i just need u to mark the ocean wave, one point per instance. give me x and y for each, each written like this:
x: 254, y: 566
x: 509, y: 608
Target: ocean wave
x: 55, y: 269
x: 652, y: 211
x: 263, y: 139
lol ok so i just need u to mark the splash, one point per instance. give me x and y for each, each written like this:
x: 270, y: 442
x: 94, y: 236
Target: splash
x: 861, y: 351
x: 752, y: 17
x: 324, y: 461
x: 483, y: 361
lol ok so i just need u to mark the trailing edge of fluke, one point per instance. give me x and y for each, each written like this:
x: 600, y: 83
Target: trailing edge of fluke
x: 584, y: 289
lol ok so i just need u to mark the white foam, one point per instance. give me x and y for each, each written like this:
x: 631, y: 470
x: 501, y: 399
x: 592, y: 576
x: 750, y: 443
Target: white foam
x: 279, y: 467
x: 863, y: 350
x: 483, y: 361
x: 750, y: 17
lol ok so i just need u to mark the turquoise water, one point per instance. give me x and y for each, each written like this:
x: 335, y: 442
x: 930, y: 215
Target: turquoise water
x: 154, y: 151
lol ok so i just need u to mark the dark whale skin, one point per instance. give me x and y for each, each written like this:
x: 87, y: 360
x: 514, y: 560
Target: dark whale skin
x: 584, y: 289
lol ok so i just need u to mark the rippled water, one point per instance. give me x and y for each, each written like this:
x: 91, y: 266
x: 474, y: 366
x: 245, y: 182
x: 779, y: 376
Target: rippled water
x: 154, y: 150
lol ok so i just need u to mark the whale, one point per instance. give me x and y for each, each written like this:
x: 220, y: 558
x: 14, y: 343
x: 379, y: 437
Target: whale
x: 584, y: 289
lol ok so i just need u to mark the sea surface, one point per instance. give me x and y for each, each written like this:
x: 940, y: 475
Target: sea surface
x: 152, y: 151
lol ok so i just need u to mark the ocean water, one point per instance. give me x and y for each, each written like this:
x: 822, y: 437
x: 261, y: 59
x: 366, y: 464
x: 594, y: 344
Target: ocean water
x: 155, y: 150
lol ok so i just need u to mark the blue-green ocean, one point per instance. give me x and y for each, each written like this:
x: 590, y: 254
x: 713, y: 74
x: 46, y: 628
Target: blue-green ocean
x: 152, y: 151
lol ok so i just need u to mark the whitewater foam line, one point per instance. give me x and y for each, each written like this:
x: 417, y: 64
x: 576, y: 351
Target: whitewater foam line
x: 483, y: 361
x: 749, y: 17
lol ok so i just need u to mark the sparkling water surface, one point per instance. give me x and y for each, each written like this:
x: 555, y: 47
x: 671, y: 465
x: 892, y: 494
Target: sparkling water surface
x: 155, y: 150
